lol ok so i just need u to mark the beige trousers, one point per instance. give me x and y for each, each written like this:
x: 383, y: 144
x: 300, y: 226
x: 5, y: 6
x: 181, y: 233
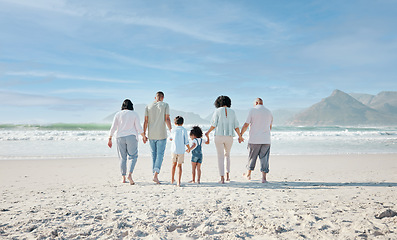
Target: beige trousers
x: 223, y: 146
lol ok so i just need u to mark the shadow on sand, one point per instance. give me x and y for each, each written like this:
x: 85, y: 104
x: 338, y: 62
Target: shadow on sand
x: 292, y: 185
x: 257, y: 184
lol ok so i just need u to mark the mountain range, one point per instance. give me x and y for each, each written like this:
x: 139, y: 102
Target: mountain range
x: 340, y: 108
x: 353, y: 109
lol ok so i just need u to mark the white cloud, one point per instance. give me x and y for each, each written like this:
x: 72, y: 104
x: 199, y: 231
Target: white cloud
x: 12, y: 98
x: 173, y: 65
x: 193, y: 22
x: 67, y: 76
x: 23, y: 99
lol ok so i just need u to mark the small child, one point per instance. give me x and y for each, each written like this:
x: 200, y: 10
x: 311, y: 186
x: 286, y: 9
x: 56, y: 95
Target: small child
x: 179, y: 140
x: 196, y: 135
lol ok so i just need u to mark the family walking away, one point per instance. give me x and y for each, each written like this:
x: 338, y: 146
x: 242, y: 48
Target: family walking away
x: 126, y: 126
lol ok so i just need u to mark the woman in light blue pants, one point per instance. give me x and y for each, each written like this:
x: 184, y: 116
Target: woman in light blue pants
x: 127, y: 125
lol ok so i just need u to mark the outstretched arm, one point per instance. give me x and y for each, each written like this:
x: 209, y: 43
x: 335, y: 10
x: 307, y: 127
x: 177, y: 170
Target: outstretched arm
x: 244, y: 128
x: 240, y: 137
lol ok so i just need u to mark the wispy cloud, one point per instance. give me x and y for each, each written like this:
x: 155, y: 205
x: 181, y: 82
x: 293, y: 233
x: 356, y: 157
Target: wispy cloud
x: 171, y: 65
x: 196, y: 23
x: 56, y: 75
x: 14, y: 98
x: 8, y: 98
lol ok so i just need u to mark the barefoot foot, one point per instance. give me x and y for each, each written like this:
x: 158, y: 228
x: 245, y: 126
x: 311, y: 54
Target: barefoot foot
x: 156, y: 180
x: 123, y: 180
x: 131, y: 181
x: 247, y: 176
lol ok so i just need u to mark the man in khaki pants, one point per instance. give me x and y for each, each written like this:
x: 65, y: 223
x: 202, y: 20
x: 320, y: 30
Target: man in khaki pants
x: 260, y: 121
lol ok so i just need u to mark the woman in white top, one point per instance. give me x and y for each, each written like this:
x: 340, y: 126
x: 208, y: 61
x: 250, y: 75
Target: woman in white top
x: 225, y: 123
x: 127, y: 125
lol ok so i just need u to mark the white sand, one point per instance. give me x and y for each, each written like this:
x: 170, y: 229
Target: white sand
x: 312, y: 197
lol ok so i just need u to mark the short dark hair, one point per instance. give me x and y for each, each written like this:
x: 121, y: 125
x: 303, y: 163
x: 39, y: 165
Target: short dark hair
x: 196, y: 131
x: 223, y: 101
x: 178, y: 120
x: 160, y: 94
x: 127, y: 104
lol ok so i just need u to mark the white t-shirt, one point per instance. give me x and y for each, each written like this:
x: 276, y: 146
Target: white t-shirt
x: 196, y: 141
x: 260, y: 119
x: 126, y: 122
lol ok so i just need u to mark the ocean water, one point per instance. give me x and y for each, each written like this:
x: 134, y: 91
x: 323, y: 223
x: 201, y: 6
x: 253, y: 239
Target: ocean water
x: 90, y: 140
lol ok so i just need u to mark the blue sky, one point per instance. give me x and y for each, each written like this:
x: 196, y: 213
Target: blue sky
x: 76, y: 61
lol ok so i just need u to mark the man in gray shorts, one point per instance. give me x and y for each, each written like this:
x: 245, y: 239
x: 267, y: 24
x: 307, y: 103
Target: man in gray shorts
x: 260, y: 121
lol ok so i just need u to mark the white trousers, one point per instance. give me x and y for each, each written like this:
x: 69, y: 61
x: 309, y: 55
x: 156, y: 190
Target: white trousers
x: 223, y: 146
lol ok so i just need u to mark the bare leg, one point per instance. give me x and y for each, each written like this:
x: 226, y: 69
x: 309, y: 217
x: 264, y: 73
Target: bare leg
x: 155, y: 178
x: 173, y: 172
x: 193, y: 172
x: 227, y: 177
x: 124, y: 179
x: 198, y: 172
x: 179, y: 174
x: 130, y: 179
x: 248, y: 175
x: 222, y: 180
x: 264, y: 177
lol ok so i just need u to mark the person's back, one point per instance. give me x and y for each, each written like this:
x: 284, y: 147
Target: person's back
x: 225, y: 120
x: 127, y: 123
x: 157, y: 116
x: 179, y: 140
x: 260, y: 119
x: 156, y: 113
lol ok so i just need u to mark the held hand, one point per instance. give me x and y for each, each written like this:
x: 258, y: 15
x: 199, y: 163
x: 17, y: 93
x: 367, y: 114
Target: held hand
x: 208, y: 138
x: 144, y: 139
x: 110, y: 143
x: 240, y: 139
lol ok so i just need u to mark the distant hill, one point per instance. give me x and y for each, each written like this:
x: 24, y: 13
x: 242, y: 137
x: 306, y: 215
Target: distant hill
x: 342, y: 109
x: 385, y: 102
x: 189, y: 117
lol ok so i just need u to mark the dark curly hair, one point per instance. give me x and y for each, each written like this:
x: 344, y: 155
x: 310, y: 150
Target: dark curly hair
x: 196, y: 131
x: 178, y: 120
x: 223, y: 101
x: 127, y: 104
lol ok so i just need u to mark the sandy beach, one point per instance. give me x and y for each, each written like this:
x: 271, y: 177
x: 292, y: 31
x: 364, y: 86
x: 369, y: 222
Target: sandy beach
x: 307, y: 197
